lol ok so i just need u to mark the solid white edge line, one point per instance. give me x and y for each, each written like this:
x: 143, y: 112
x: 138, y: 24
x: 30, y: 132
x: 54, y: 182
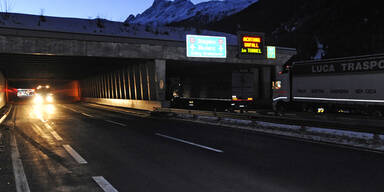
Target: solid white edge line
x: 74, y: 154
x: 53, y: 132
x: 117, y: 123
x: 104, y: 184
x: 21, y: 181
x: 5, y: 115
x: 18, y: 169
x: 190, y: 143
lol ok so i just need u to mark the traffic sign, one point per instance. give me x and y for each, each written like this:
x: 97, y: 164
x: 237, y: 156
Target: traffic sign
x: 251, y: 44
x: 206, y: 46
x: 271, y: 52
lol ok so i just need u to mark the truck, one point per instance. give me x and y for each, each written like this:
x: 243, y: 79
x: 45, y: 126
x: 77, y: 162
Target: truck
x: 228, y: 91
x: 348, y: 85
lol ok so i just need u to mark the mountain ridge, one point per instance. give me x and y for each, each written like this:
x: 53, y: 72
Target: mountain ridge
x: 163, y: 12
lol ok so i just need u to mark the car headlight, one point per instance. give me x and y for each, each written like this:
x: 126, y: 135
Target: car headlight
x: 38, y: 99
x: 49, y: 98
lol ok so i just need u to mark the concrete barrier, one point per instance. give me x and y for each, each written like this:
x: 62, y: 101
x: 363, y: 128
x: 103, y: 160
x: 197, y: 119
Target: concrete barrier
x: 134, y: 104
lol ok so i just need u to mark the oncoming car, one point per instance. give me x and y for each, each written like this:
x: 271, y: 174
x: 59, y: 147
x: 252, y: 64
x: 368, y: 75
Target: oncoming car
x: 43, y: 95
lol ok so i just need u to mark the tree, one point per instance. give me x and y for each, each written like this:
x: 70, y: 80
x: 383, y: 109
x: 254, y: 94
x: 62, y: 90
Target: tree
x: 6, y: 6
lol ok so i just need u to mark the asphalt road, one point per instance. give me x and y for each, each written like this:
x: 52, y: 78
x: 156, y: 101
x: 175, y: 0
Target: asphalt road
x: 72, y: 147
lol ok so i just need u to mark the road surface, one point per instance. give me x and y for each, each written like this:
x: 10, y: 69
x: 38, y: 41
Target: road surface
x: 74, y: 147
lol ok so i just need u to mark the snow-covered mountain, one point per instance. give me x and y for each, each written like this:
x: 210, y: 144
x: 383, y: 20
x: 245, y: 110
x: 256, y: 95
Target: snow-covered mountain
x: 165, y: 11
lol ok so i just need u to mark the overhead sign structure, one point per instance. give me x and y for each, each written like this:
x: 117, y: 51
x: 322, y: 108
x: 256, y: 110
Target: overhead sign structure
x: 251, y: 45
x: 271, y: 52
x: 206, y: 46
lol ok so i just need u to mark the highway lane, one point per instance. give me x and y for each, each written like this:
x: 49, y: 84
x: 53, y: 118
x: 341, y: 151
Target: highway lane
x: 68, y: 147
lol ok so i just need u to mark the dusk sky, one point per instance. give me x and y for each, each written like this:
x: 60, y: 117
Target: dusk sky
x: 116, y: 10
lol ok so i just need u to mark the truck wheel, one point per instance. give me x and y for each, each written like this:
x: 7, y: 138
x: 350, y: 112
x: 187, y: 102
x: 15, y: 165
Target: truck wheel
x: 280, y: 108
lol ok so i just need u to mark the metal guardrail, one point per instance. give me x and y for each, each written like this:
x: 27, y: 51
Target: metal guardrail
x: 371, y: 126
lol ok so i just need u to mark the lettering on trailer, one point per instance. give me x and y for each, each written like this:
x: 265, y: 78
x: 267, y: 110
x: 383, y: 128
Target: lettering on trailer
x: 366, y: 65
x: 326, y: 92
x: 251, y: 45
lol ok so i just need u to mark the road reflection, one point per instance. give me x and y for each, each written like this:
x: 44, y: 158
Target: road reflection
x: 43, y: 112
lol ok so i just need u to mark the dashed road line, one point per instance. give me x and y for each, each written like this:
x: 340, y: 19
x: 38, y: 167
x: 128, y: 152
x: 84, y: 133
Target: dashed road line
x: 85, y: 114
x: 41, y: 133
x: 190, y: 143
x: 117, y: 123
x: 76, y: 111
x: 104, y: 184
x: 75, y: 155
x: 53, y: 132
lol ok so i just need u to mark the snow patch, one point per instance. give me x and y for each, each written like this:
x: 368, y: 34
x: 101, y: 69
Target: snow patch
x: 281, y: 126
x: 353, y: 134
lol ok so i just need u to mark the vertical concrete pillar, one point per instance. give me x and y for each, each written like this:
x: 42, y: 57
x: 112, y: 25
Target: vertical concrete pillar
x: 109, y: 85
x: 256, y: 82
x: 266, y: 82
x: 112, y: 87
x: 94, y: 87
x: 160, y: 77
x: 100, y: 86
x: 119, y: 84
x: 144, y: 83
x: 90, y: 87
x: 124, y: 83
x: 116, y: 85
x: 130, y: 85
x: 151, y: 80
x: 140, y: 70
x: 136, y: 73
x: 104, y: 86
x: 148, y: 80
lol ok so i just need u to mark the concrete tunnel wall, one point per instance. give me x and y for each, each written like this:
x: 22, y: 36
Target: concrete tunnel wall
x: 138, y: 85
x: 3, y: 90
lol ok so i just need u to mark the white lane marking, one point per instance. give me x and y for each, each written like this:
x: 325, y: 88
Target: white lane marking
x: 5, y: 115
x: 74, y: 154
x: 41, y: 133
x: 18, y: 169
x: 104, y: 184
x: 190, y: 143
x: 85, y: 114
x: 70, y: 108
x: 53, y: 132
x: 117, y: 123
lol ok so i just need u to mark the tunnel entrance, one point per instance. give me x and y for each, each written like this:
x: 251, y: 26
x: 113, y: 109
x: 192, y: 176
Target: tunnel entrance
x: 62, y: 73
